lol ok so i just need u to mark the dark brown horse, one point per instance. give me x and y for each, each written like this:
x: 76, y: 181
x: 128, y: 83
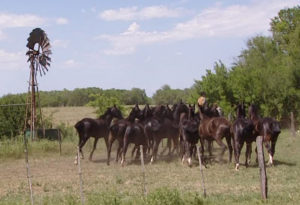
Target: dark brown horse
x: 189, y: 136
x: 96, y: 128
x: 135, y: 134
x: 266, y: 127
x: 214, y: 128
x: 243, y: 131
x: 117, y: 131
x: 165, y: 127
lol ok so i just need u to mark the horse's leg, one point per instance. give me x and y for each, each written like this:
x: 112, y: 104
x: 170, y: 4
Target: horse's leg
x: 268, y: 147
x: 125, y: 146
x: 188, y: 152
x: 222, y: 145
x: 81, y: 143
x: 138, y: 152
x: 175, y: 142
x: 155, y: 149
x: 110, y: 141
x: 94, y: 147
x: 209, y: 147
x: 236, y: 151
x: 165, y: 148
x: 248, y: 154
x: 119, y: 150
x: 133, y: 151
x: 228, y: 140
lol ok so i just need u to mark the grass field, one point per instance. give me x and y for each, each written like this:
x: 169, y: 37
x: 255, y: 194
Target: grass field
x: 55, y: 178
x: 68, y: 115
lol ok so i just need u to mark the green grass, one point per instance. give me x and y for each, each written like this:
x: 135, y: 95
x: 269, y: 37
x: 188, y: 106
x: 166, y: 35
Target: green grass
x: 55, y: 177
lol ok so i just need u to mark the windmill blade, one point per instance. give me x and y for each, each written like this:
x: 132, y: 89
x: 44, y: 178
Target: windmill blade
x: 39, y: 58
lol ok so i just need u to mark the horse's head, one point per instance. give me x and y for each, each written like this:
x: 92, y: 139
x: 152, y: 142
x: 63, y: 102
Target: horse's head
x: 240, y: 111
x: 253, y: 112
x: 168, y: 112
x: 135, y: 112
x: 146, y: 112
x: 191, y: 111
x: 180, y: 108
x: 159, y: 111
x: 116, y: 112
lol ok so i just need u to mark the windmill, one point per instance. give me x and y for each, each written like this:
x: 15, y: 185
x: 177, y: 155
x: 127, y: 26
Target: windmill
x: 38, y: 57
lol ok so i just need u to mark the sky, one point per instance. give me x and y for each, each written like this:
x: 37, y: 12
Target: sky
x: 128, y: 44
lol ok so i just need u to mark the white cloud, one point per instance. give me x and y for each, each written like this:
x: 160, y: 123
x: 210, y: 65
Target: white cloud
x: 60, y: 43
x: 217, y: 21
x: 70, y: 63
x: 62, y: 21
x: 8, y: 20
x: 134, y: 13
x: 12, y: 61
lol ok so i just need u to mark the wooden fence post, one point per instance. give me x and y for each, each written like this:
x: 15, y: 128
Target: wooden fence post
x: 59, y: 135
x: 293, y: 125
x: 28, y: 168
x: 80, y: 177
x: 143, y: 171
x: 262, y: 167
x: 201, y: 171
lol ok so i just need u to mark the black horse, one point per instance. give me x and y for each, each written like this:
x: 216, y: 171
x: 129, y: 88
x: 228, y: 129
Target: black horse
x: 189, y: 135
x: 243, y: 131
x: 135, y: 134
x: 117, y: 131
x: 96, y: 128
x: 163, y: 127
x: 266, y: 127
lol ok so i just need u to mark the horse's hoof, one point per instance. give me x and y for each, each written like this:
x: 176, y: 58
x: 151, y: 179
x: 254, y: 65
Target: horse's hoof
x: 75, y: 162
x: 152, y: 160
x: 237, y: 166
x: 190, y: 162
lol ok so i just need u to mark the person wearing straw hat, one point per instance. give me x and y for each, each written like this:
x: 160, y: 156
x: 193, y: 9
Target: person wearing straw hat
x: 202, y: 99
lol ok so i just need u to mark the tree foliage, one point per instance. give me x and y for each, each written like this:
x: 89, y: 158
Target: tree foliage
x: 266, y: 73
x: 167, y: 95
x: 12, y: 118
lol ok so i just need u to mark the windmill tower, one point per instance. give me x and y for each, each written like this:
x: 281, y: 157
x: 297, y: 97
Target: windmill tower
x: 38, y: 56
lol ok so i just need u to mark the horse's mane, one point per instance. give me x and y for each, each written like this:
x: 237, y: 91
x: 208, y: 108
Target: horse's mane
x: 107, y: 112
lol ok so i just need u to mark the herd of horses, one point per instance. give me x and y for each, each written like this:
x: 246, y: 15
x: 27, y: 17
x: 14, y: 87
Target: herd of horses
x: 183, y: 127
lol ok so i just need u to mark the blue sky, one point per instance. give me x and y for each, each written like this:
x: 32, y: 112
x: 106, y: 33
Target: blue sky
x: 125, y: 44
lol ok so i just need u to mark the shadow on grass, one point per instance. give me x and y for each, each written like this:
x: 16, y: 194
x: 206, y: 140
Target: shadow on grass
x: 290, y: 164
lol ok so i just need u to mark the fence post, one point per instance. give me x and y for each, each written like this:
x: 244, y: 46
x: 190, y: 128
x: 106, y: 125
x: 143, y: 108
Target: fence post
x: 201, y: 171
x: 262, y: 167
x: 80, y: 177
x: 143, y: 171
x: 59, y: 135
x: 28, y: 168
x: 293, y: 125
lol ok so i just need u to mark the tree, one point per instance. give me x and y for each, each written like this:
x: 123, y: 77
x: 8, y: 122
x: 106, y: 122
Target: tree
x: 12, y: 118
x: 104, y: 100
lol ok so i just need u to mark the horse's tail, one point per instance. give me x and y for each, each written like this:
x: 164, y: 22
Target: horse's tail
x: 226, y: 130
x: 79, y: 126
